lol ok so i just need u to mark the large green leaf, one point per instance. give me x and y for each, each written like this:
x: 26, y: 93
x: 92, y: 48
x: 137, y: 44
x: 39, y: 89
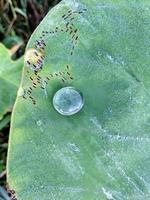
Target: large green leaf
x: 10, y: 72
x: 102, y: 152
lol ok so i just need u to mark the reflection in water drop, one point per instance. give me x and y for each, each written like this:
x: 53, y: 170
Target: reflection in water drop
x: 68, y: 101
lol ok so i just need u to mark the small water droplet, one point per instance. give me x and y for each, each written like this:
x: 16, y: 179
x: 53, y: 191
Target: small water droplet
x: 68, y: 101
x: 21, y: 92
x: 39, y: 122
x: 42, y: 187
x: 34, y: 59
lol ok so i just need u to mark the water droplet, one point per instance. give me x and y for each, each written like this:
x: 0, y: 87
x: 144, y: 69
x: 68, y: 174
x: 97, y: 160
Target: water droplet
x: 21, y: 92
x: 39, y: 122
x: 34, y: 59
x: 40, y: 125
x: 42, y: 187
x: 68, y: 101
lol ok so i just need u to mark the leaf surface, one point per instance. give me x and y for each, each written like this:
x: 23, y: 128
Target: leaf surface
x: 102, y: 152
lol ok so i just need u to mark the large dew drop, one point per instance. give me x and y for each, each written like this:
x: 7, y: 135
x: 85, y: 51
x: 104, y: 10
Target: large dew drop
x: 68, y: 101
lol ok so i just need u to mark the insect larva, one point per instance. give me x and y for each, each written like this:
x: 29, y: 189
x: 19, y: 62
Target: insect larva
x: 67, y: 24
x: 38, y: 81
x: 30, y: 89
x: 75, y: 30
x: 24, y: 97
x: 31, y: 78
x: 45, y: 82
x: 34, y: 66
x: 28, y: 62
x: 56, y: 28
x: 36, y: 53
x: 68, y: 16
x: 63, y: 16
x: 67, y: 67
x: 38, y: 78
x: 40, y: 61
x: 76, y: 37
x: 80, y: 12
x: 73, y: 36
x: 64, y: 78
x: 29, y: 92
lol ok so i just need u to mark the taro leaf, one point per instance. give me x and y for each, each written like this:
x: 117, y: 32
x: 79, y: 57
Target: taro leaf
x: 10, y: 73
x: 102, y: 152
